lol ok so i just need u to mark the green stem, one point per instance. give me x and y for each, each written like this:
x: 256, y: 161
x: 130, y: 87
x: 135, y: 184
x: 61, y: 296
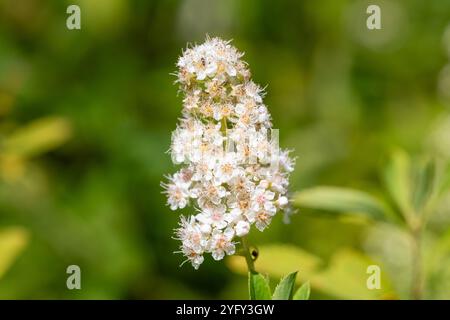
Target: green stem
x: 224, y: 126
x: 248, y: 255
x: 416, y: 285
x: 224, y: 131
x: 245, y: 247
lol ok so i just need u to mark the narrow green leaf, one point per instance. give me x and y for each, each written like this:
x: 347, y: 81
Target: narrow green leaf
x: 424, y: 185
x: 37, y: 137
x: 341, y: 200
x: 397, y: 177
x: 258, y: 287
x: 12, y: 241
x: 446, y: 179
x: 284, y: 289
x: 445, y: 185
x: 303, y: 292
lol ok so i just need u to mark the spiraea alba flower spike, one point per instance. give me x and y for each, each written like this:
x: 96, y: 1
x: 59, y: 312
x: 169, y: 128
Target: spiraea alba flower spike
x: 233, y: 172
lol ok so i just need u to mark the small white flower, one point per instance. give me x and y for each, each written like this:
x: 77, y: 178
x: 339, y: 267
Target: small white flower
x: 261, y: 218
x: 262, y: 199
x: 222, y: 111
x: 226, y: 168
x: 278, y: 181
x: 213, y: 216
x: 205, y: 228
x: 195, y: 258
x: 177, y: 192
x: 221, y: 243
x: 204, y: 67
x: 263, y: 114
x: 203, y: 171
x: 242, y: 228
x: 191, y: 235
x: 253, y: 91
x: 211, y: 194
x: 282, y: 201
x: 192, y: 101
x: 234, y: 216
x: 286, y: 161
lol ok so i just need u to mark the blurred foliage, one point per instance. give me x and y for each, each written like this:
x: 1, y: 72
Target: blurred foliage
x: 85, y: 123
x: 344, y: 278
x: 279, y: 260
x: 416, y: 189
x: 12, y: 242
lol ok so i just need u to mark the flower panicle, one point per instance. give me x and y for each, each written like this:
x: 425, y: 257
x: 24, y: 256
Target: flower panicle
x: 235, y: 189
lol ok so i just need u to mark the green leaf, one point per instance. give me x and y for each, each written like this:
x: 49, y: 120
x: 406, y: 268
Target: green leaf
x: 397, y: 177
x: 424, y: 185
x: 258, y: 285
x: 341, y: 200
x: 440, y: 251
x: 12, y: 241
x: 37, y: 137
x: 284, y: 289
x: 445, y: 185
x: 303, y: 292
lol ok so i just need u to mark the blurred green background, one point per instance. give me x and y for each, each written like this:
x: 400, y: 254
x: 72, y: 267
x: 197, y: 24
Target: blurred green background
x: 86, y: 118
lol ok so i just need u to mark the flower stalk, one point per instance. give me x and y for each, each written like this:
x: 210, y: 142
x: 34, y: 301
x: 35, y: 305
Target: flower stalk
x: 416, y: 285
x: 248, y: 255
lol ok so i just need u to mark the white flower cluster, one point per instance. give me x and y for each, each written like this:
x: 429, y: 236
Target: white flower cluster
x: 233, y: 174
